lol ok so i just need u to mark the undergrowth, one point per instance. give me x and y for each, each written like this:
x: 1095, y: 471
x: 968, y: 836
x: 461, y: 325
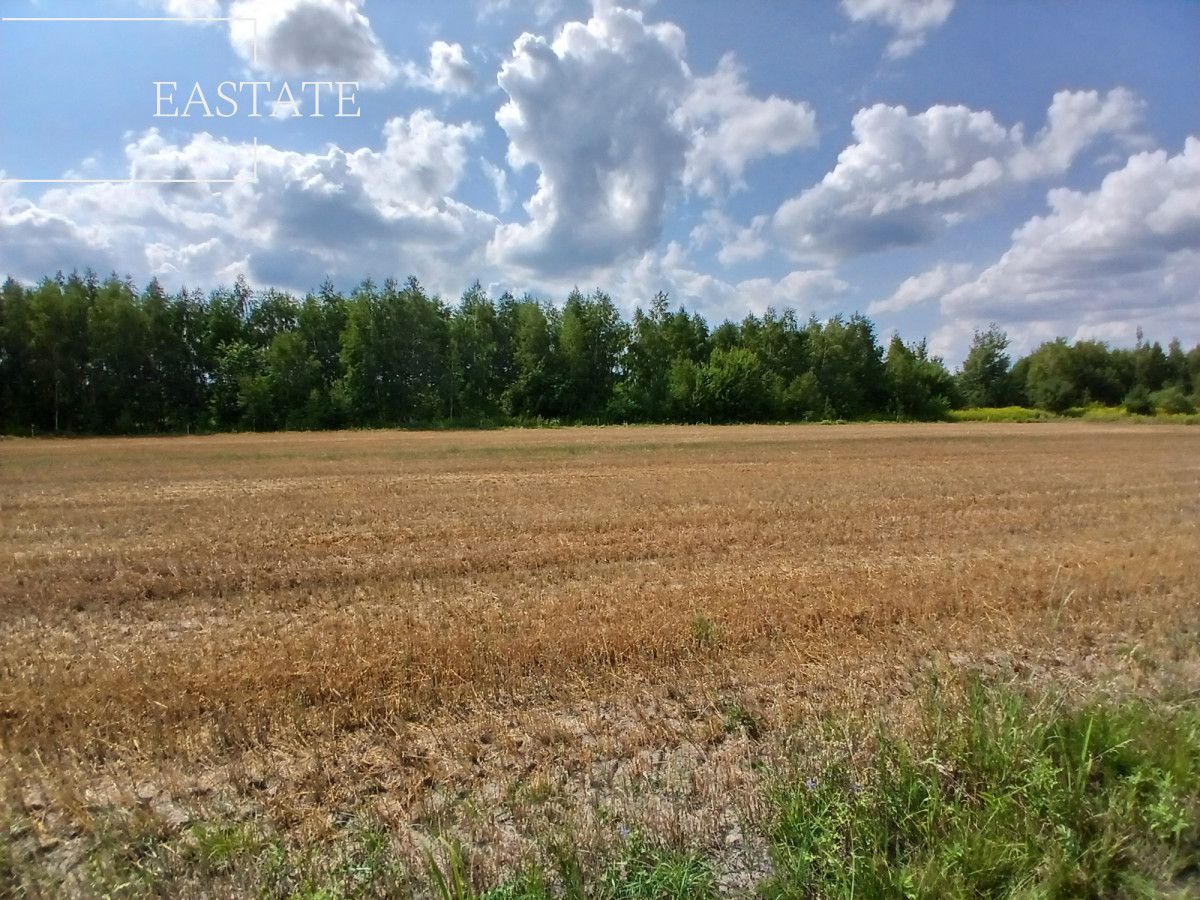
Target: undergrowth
x: 1001, y: 796
x: 992, y: 795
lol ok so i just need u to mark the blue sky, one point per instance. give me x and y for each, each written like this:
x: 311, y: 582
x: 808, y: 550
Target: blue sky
x: 939, y: 164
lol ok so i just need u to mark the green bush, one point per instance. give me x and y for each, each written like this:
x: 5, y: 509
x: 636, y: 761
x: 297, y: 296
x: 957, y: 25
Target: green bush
x: 1138, y: 402
x: 1173, y: 401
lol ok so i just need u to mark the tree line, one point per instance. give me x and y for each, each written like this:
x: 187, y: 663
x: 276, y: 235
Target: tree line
x: 84, y: 355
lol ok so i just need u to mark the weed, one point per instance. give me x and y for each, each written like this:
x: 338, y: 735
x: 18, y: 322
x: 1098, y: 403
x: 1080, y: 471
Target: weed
x: 218, y: 848
x: 738, y: 718
x: 704, y: 631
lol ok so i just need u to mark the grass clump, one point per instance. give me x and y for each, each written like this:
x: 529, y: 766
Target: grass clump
x: 219, y: 848
x: 640, y: 871
x: 705, y: 633
x: 364, y: 865
x: 644, y: 872
x: 1001, y: 797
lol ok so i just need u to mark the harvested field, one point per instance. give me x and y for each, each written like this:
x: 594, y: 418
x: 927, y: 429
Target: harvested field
x: 505, y: 634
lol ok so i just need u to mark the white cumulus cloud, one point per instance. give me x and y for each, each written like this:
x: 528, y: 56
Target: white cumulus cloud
x: 331, y: 38
x: 344, y: 213
x: 1074, y: 120
x: 909, y: 176
x: 1102, y: 262
x: 592, y: 110
x: 192, y: 8
x: 448, y: 72
x: 730, y: 128
x: 614, y: 120
x: 498, y: 178
x: 909, y: 19
x: 735, y: 243
x: 923, y: 288
x: 672, y: 270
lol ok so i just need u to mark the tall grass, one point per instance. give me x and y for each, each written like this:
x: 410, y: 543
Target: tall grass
x: 1001, y: 797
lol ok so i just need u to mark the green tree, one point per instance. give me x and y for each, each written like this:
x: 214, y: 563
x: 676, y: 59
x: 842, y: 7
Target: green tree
x: 1179, y: 372
x: 848, y: 364
x: 79, y: 354
x: 174, y: 393
x: 241, y: 393
x: 1173, y: 400
x: 1137, y: 402
x: 395, y: 355
x: 534, y: 386
x: 474, y: 351
x: 1049, y: 381
x: 735, y: 386
x: 18, y: 401
x: 294, y: 383
x: 1151, y: 369
x: 920, y: 385
x: 224, y: 324
x: 985, y: 378
x: 592, y: 340
x: 270, y: 315
x: 1097, y: 374
x: 779, y: 341
x: 659, y: 340
x: 118, y: 365
x: 58, y: 341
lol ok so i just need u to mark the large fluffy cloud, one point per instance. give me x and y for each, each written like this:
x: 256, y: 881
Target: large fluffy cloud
x: 909, y: 19
x: 607, y: 112
x: 613, y: 119
x: 37, y: 241
x: 1103, y: 262
x: 592, y: 110
x: 384, y: 211
x: 907, y: 176
x: 735, y: 243
x: 331, y: 38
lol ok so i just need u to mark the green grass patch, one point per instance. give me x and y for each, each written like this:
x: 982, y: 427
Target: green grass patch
x: 641, y: 871
x: 1000, y: 797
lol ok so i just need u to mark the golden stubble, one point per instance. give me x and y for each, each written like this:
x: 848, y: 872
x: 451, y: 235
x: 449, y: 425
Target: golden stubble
x: 318, y: 621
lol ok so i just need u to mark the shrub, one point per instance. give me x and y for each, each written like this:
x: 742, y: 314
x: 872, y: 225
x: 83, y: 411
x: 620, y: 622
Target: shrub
x: 1173, y: 400
x: 1138, y: 402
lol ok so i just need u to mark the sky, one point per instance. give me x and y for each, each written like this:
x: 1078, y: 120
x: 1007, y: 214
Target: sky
x: 939, y: 165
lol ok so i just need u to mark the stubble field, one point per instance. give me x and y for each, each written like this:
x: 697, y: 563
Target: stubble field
x: 512, y: 634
